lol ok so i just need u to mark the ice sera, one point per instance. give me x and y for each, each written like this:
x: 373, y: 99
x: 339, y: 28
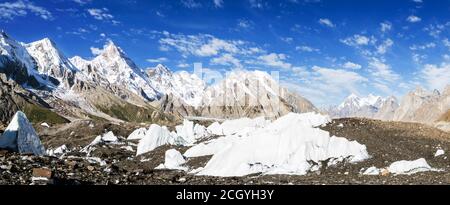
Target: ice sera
x: 226, y: 195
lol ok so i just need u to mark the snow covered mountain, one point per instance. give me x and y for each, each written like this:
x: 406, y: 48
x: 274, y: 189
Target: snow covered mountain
x: 423, y: 106
x: 183, y: 85
x: 413, y: 101
x: 355, y: 106
x: 51, y: 62
x: 387, y: 110
x: 251, y: 94
x: 113, y: 67
x: 16, y: 62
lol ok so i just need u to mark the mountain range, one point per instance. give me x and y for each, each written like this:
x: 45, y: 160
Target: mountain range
x: 420, y: 105
x: 112, y: 87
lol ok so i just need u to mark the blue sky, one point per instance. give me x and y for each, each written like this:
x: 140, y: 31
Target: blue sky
x: 323, y: 49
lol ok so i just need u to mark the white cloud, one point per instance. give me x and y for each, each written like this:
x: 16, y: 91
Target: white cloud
x: 306, y: 49
x: 386, y: 26
x: 157, y: 60
x: 435, y: 30
x: 287, y: 39
x: 260, y: 4
x: 326, y: 22
x: 218, y: 3
x: 160, y: 14
x: 102, y: 15
x: 192, y: 4
x: 10, y: 10
x: 383, y: 87
x: 337, y: 81
x: 382, y: 49
x: 215, y: 45
x: 418, y: 1
x: 356, y: 40
x: 244, y: 24
x: 183, y: 65
x: 351, y: 65
x: 82, y: 2
x: 422, y: 47
x: 96, y: 51
x: 324, y: 86
x: 204, y: 45
x: 413, y: 19
x: 446, y: 43
x: 417, y: 58
x: 437, y: 77
x: 275, y: 60
x: 382, y: 71
x: 227, y: 59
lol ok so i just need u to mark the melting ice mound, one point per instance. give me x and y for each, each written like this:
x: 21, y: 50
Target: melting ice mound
x: 155, y: 136
x: 21, y: 137
x: 289, y: 145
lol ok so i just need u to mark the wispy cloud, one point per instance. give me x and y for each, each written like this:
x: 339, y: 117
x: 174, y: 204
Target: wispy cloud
x: 437, y: 77
x: 356, y: 40
x: 260, y: 4
x: 306, y: 49
x: 157, y: 60
x: 191, y: 4
x: 218, y: 3
x: 382, y: 48
x: 382, y: 71
x: 82, y: 2
x: 12, y: 9
x: 275, y: 60
x: 413, y: 19
x: 351, y: 65
x: 385, y: 26
x: 102, y: 14
x: 326, y: 22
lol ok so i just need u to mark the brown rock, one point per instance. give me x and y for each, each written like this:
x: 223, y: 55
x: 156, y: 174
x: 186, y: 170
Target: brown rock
x: 42, y: 172
x: 385, y: 172
x: 90, y: 168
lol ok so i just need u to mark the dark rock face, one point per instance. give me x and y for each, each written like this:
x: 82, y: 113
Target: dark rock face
x: 14, y: 98
x: 18, y: 72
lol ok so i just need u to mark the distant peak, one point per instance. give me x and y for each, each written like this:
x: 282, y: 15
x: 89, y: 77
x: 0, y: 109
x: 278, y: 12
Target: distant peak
x: 110, y: 45
x: 419, y: 89
x: 110, y: 49
x: 45, y: 41
x: 159, y: 70
x: 352, y: 96
x: 162, y: 68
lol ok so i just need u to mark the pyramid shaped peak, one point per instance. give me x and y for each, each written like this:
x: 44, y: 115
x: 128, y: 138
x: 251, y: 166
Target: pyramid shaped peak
x: 46, y: 41
x: 162, y: 68
x: 111, y: 46
x: 21, y: 137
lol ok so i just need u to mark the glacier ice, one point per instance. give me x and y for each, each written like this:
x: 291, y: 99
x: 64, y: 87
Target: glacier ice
x: 21, y: 137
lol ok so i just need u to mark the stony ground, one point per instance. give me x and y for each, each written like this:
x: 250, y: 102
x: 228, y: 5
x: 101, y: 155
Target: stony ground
x: 115, y: 164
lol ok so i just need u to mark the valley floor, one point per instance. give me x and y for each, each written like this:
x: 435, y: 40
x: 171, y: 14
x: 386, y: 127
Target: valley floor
x: 386, y: 142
